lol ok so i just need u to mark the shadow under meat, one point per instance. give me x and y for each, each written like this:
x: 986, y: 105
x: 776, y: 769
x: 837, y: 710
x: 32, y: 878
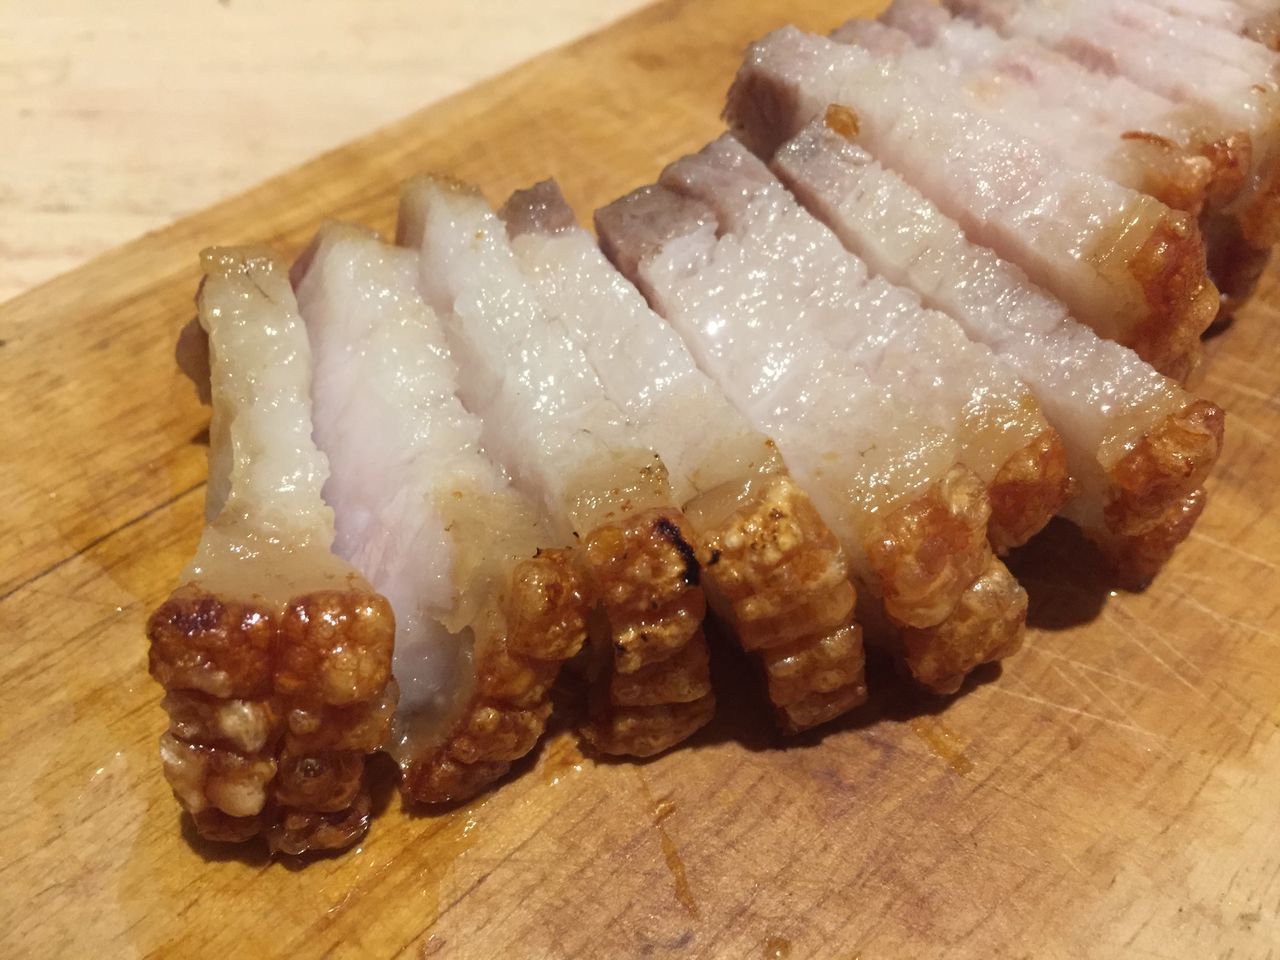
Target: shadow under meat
x: 1066, y: 577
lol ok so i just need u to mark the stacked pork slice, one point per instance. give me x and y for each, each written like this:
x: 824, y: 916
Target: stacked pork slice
x: 486, y: 606
x: 275, y: 655
x: 549, y: 421
x: 945, y: 281
x: 772, y: 569
x: 823, y: 357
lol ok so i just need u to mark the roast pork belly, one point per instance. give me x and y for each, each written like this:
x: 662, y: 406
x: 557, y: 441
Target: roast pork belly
x: 1138, y: 446
x: 548, y: 421
x: 275, y: 655
x: 773, y: 571
x: 1105, y: 124
x: 1126, y: 264
x: 1230, y: 76
x: 1258, y: 20
x: 484, y: 612
x: 749, y: 303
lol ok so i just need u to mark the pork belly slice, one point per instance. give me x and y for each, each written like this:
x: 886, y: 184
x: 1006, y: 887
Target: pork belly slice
x: 484, y: 614
x: 913, y: 521
x: 275, y: 655
x: 1138, y: 445
x: 773, y: 571
x: 548, y: 421
x: 918, y: 357
x: 1126, y: 264
x: 1259, y: 20
x: 1231, y: 77
x: 1103, y: 124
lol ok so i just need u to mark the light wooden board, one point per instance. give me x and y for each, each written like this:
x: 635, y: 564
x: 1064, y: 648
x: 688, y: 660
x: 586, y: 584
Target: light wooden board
x: 1112, y: 794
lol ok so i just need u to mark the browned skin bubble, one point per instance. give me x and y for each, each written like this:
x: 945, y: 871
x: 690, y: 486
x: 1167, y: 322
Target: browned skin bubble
x: 777, y: 577
x: 1176, y: 177
x: 546, y: 624
x: 1181, y: 301
x: 987, y: 624
x: 927, y: 552
x: 1232, y: 158
x: 1028, y: 491
x: 273, y: 711
x: 1156, y: 491
x: 655, y: 688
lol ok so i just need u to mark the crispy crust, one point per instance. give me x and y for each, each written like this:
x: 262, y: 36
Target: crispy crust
x: 987, y: 624
x: 1174, y: 176
x: 1165, y: 466
x: 777, y: 577
x: 1232, y: 158
x: 273, y: 711
x: 927, y: 552
x: 1260, y: 216
x: 1156, y: 493
x: 1181, y: 301
x: 545, y: 619
x: 1028, y: 491
x: 654, y: 689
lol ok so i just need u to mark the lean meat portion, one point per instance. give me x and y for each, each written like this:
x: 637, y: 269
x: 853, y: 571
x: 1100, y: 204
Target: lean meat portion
x: 1233, y: 78
x: 275, y: 655
x: 750, y: 304
x: 773, y: 571
x: 1126, y: 264
x: 549, y: 422
x: 1139, y: 446
x: 484, y: 613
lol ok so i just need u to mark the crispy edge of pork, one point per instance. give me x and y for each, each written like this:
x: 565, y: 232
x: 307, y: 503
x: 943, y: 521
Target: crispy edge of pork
x: 273, y: 703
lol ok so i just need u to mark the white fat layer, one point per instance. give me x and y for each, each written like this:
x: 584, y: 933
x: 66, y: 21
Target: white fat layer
x: 1007, y: 192
x: 643, y: 364
x: 403, y: 452
x: 919, y: 359
x: 268, y: 529
x: 1100, y: 396
x: 547, y: 416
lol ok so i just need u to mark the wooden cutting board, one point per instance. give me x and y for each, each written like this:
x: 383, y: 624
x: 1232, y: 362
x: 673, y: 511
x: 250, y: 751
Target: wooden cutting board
x: 1114, y: 793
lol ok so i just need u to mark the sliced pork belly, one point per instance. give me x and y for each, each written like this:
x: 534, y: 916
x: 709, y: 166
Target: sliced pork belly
x: 912, y: 519
x: 1129, y: 266
x: 484, y: 614
x: 275, y: 655
x: 1089, y: 120
x: 548, y: 420
x: 1138, y: 445
x: 1194, y: 63
x: 774, y: 572
x: 1259, y: 20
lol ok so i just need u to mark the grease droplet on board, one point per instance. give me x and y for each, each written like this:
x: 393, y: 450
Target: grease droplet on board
x: 944, y: 743
x: 777, y: 948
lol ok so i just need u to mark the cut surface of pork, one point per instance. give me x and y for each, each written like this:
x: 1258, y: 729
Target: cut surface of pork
x: 1259, y: 20
x: 912, y: 520
x: 1139, y: 446
x: 484, y: 613
x: 918, y: 358
x: 1234, y: 79
x: 773, y: 571
x: 1107, y: 125
x: 1126, y: 264
x: 275, y: 655
x: 548, y: 420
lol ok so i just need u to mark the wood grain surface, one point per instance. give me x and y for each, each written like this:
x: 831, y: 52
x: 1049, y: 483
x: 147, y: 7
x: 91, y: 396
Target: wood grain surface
x: 120, y: 117
x: 1112, y: 793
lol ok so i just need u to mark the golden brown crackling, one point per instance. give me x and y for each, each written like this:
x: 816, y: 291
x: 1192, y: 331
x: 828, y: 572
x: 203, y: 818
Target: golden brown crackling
x: 545, y: 617
x: 1260, y: 216
x: 644, y: 572
x: 1137, y: 557
x: 682, y: 677
x: 645, y: 731
x: 297, y: 831
x: 1028, y: 490
x: 928, y: 551
x: 778, y: 578
x: 1181, y: 301
x: 1231, y: 156
x: 1166, y: 465
x: 987, y: 624
x: 273, y: 710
